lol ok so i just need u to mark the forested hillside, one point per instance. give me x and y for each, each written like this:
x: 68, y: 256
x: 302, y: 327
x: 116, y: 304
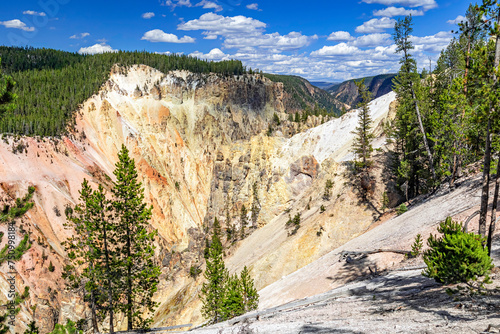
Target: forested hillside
x: 304, y: 95
x: 50, y: 84
x: 448, y: 120
x: 347, y: 91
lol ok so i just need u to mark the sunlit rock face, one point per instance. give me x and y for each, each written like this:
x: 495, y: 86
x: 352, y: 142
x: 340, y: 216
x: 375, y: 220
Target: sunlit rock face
x: 200, y: 147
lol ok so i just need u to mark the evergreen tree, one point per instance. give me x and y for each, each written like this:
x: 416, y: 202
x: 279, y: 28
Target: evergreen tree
x: 213, y: 290
x: 233, y: 305
x: 362, y: 145
x: 456, y: 257
x: 244, y: 221
x: 7, y: 97
x: 409, y: 118
x: 107, y: 264
x: 139, y: 272
x: 255, y: 204
x: 32, y: 328
x: 82, y: 250
x: 490, y: 94
x: 249, y: 293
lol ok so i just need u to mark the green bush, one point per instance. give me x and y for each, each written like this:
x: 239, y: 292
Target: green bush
x: 69, y: 328
x: 456, y: 257
x: 402, y: 209
x: 194, y: 271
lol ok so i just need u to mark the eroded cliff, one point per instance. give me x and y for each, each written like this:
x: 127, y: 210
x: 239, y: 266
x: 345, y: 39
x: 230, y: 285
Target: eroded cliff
x: 200, y: 146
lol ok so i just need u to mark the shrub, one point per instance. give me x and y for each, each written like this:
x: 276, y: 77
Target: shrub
x: 51, y: 267
x: 417, y: 245
x: 322, y: 209
x: 69, y: 328
x: 194, y: 271
x: 456, y: 257
x: 402, y: 209
x: 328, y: 189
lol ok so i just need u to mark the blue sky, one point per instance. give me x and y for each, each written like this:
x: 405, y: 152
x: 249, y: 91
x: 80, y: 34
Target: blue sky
x: 316, y: 39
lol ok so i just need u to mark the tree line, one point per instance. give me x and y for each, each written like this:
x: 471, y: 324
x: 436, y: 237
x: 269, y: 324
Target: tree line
x: 447, y: 118
x: 51, y: 84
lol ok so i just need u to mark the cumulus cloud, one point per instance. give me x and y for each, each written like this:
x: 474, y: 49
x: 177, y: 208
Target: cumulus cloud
x: 158, y: 35
x: 398, y: 11
x: 148, y: 15
x: 209, y: 5
x: 434, y: 43
x: 32, y: 12
x: 458, y: 20
x: 214, y: 54
x: 372, y: 40
x: 340, y: 36
x: 80, y: 35
x: 17, y: 24
x: 425, y: 4
x: 376, y: 25
x: 97, y: 48
x: 215, y: 25
x: 341, y: 49
x: 253, y: 6
x: 273, y: 42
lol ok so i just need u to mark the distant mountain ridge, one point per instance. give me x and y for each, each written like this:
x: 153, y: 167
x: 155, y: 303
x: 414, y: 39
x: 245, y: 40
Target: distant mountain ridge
x: 347, y: 92
x: 301, y: 94
x: 325, y: 84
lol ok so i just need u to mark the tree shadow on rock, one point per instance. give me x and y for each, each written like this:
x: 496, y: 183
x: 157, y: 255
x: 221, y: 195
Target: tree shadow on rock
x: 426, y: 296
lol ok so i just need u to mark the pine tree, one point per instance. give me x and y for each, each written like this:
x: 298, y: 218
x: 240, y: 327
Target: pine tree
x: 138, y: 269
x: 362, y: 145
x: 7, y: 97
x: 249, y: 293
x: 106, y: 265
x: 213, y: 290
x: 32, y: 328
x: 233, y: 305
x: 255, y: 204
x: 81, y: 249
x: 408, y: 117
x: 244, y: 221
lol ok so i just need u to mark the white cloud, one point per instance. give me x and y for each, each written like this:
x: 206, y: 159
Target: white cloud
x: 177, y: 3
x: 398, y: 11
x: 253, y: 6
x: 273, y: 42
x: 17, y: 24
x: 148, y: 15
x: 158, y: 35
x: 96, y: 48
x: 372, y: 40
x: 458, y: 20
x: 341, y: 49
x: 340, y: 36
x: 214, y: 24
x: 214, y: 54
x: 376, y: 25
x: 80, y: 35
x: 209, y: 5
x: 32, y: 12
x: 426, y: 4
x: 102, y: 40
x: 434, y: 43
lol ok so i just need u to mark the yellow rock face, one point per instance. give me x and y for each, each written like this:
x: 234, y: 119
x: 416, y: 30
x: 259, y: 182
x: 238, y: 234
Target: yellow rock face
x: 199, y: 145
